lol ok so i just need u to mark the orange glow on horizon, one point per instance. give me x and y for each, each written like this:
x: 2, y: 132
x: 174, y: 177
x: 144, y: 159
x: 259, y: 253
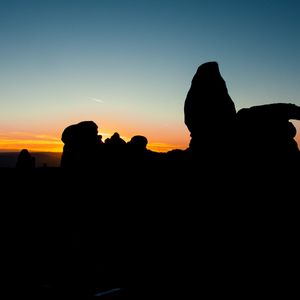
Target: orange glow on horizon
x: 16, y: 141
x: 163, y: 147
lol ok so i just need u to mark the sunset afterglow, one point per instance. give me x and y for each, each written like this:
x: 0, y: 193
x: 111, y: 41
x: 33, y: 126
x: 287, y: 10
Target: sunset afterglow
x: 15, y: 141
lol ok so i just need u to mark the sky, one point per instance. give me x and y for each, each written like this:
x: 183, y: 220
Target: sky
x: 127, y: 65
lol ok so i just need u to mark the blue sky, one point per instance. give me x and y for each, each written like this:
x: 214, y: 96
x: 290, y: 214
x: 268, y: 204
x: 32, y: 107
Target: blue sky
x: 128, y: 65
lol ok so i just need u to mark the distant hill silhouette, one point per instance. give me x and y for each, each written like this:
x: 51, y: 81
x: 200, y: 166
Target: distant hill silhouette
x: 52, y: 159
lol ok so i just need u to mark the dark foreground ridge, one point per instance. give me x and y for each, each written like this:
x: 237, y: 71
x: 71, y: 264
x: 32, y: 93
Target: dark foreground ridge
x: 116, y: 220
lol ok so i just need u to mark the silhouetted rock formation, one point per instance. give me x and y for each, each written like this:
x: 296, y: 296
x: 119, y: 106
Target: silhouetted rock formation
x: 137, y: 148
x: 82, y: 145
x: 209, y: 113
x: 115, y: 142
x: 138, y: 143
x: 115, y: 149
x: 259, y: 137
x: 25, y: 161
x: 266, y: 137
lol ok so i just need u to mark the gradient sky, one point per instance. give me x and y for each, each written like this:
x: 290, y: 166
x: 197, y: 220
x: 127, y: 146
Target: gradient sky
x: 127, y: 65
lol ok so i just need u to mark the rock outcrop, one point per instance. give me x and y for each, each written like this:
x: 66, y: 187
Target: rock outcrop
x: 25, y: 160
x: 82, y: 144
x: 209, y: 113
x: 265, y: 135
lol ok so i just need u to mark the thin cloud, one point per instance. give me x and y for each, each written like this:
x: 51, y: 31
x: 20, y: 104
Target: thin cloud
x: 22, y: 135
x: 96, y: 100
